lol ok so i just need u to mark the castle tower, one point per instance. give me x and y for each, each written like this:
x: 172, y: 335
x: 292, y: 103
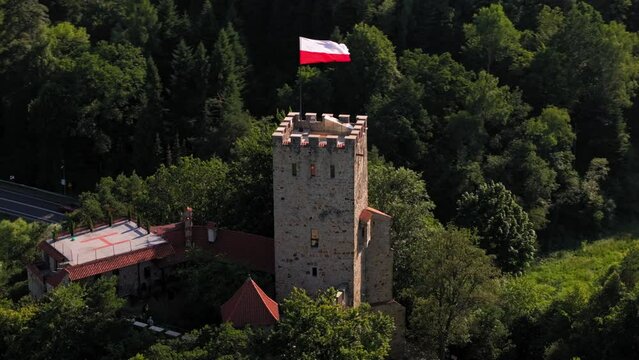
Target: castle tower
x: 320, y: 188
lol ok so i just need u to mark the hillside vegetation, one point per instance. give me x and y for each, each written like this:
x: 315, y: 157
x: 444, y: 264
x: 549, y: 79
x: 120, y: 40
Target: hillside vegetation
x: 562, y: 274
x: 499, y: 133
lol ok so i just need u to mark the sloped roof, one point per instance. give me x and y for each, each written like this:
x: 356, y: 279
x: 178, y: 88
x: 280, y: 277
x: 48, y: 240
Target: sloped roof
x: 256, y: 252
x: 368, y: 213
x: 250, y: 306
x: 51, y: 251
x: 105, y: 265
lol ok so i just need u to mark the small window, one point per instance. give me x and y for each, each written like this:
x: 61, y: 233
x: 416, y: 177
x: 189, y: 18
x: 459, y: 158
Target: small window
x: 314, y: 272
x: 116, y: 272
x: 314, y: 238
x: 294, y: 169
x: 313, y: 170
x: 332, y: 171
x: 147, y: 272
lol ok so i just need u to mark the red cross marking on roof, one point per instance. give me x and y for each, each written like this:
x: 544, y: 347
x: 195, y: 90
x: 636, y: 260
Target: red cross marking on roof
x: 101, y: 238
x: 111, y: 244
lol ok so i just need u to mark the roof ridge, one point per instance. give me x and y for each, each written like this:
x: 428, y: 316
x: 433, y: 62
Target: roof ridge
x: 250, y: 297
x: 109, y: 258
x: 265, y: 298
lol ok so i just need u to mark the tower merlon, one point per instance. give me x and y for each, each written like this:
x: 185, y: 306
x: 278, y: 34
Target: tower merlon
x: 324, y: 131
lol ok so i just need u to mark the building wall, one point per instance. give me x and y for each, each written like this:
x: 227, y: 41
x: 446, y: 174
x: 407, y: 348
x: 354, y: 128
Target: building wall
x: 132, y: 280
x: 379, y: 259
x: 361, y: 202
x: 398, y: 313
x: 36, y: 287
x: 330, y: 205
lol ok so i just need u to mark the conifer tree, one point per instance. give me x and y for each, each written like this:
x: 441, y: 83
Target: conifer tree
x: 188, y: 87
x: 224, y: 118
x: 151, y: 122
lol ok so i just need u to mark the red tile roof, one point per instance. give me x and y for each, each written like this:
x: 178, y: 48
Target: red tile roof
x: 250, y: 306
x: 55, y: 279
x: 253, y: 251
x: 108, y: 264
x: 368, y: 213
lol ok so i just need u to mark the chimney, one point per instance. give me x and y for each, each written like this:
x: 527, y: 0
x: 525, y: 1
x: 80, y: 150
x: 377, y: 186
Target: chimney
x: 211, y: 228
x: 188, y: 226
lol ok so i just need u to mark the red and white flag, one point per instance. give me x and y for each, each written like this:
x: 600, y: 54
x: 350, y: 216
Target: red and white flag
x: 322, y: 51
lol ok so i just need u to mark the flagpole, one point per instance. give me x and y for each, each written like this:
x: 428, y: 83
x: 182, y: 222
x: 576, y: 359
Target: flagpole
x: 300, y: 79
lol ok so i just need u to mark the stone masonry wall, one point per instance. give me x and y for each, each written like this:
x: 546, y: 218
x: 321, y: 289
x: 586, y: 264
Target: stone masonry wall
x: 327, y: 204
x: 361, y: 203
x: 379, y: 262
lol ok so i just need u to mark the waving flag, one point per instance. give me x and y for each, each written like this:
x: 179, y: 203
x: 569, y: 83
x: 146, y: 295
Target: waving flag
x: 322, y: 51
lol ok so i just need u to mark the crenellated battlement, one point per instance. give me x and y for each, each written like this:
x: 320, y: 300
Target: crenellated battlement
x: 325, y: 132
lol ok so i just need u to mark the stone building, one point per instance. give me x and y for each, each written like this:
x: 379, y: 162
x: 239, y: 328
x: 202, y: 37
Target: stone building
x: 122, y: 249
x: 326, y: 235
x: 141, y: 259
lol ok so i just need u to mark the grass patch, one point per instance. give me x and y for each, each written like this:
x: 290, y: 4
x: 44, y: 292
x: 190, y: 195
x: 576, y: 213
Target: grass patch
x: 565, y: 274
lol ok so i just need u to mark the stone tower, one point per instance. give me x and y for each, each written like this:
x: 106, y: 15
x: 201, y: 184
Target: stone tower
x: 320, y: 189
x: 326, y: 235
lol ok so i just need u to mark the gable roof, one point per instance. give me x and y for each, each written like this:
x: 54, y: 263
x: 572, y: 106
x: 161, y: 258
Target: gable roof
x: 250, y: 306
x: 369, y: 212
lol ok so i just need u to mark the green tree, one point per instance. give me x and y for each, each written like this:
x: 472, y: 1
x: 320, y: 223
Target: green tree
x: 503, y: 227
x: 589, y: 68
x: 221, y: 342
x: 138, y: 24
x: 491, y: 37
x: 18, y: 240
x: 76, y: 314
x: 317, y: 90
x: 187, y: 88
x: 401, y: 193
x: 150, y: 124
x: 482, y: 126
x: 21, y: 31
x: 528, y: 175
x: 318, y: 328
x: 399, y: 125
x: 208, y: 282
x: 115, y: 197
x: 250, y: 201
x: 224, y: 119
x: 421, y: 23
x: 373, y: 69
x: 451, y: 279
x: 199, y: 184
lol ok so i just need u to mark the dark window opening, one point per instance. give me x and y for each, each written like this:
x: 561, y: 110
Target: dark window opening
x: 294, y: 169
x: 314, y: 238
x: 116, y: 272
x: 147, y: 272
x: 314, y: 272
x: 332, y: 171
x: 313, y: 170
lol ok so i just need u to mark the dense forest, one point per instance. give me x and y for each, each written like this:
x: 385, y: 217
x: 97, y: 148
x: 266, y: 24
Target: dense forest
x: 500, y: 132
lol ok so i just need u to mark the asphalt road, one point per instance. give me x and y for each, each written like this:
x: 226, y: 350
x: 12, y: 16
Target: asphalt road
x: 32, y: 204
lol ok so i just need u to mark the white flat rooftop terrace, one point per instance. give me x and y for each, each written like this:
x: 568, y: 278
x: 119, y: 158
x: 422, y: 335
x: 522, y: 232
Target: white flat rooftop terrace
x: 105, y: 241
